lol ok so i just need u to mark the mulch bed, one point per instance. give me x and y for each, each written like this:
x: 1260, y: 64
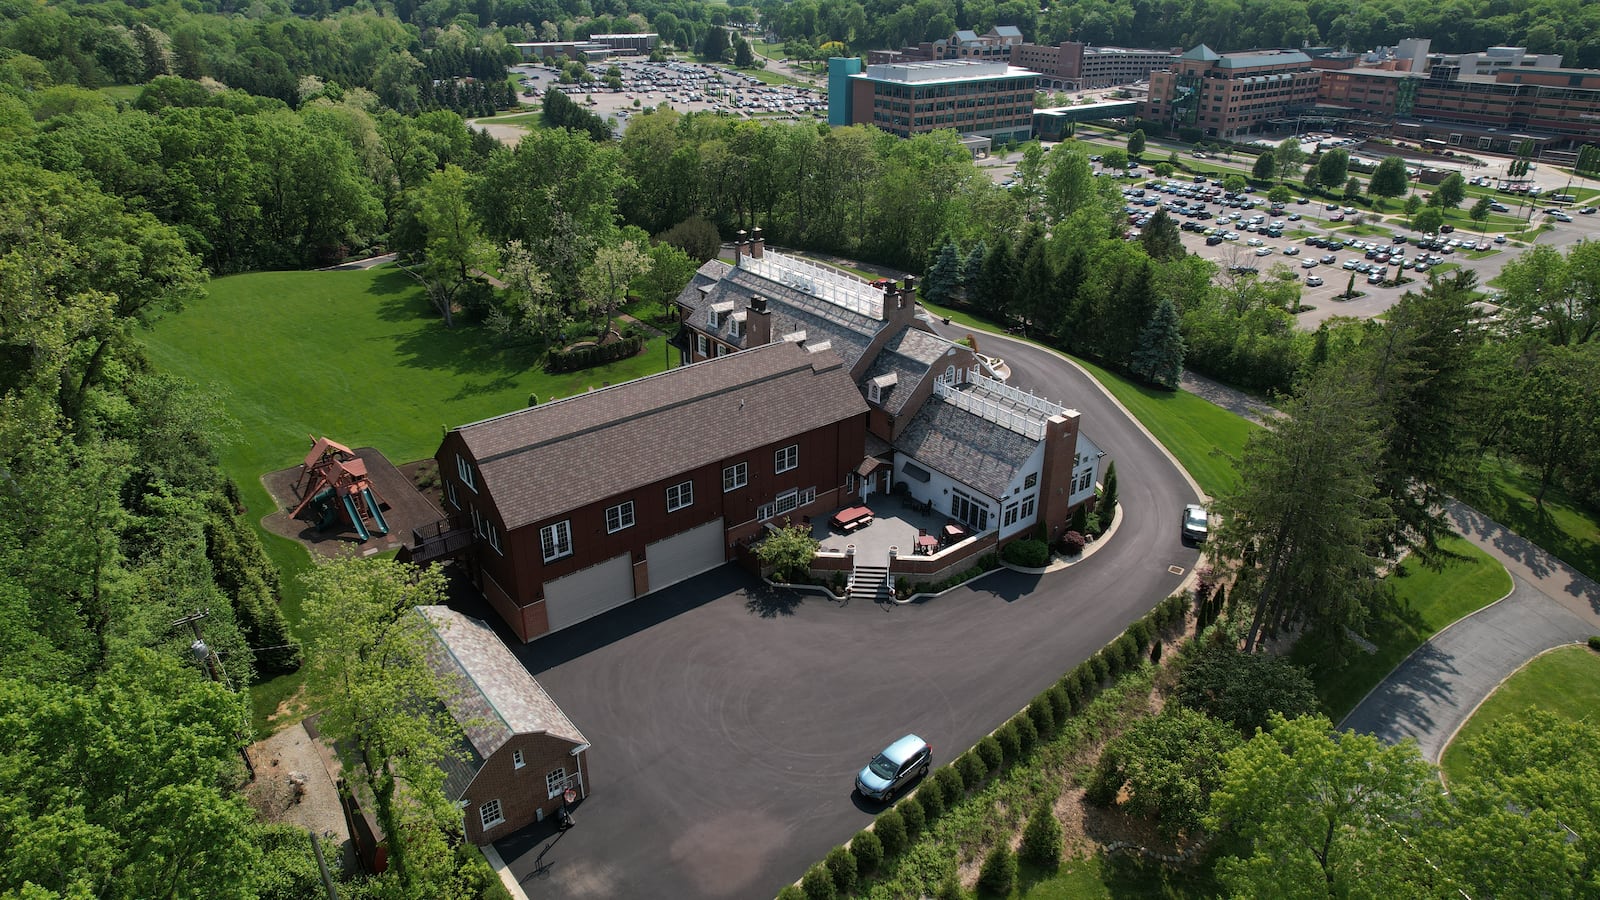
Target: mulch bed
x: 404, y: 507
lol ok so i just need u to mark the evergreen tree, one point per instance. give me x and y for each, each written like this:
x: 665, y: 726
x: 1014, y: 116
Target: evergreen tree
x: 998, y: 876
x: 1159, y: 358
x: 714, y: 44
x: 972, y: 270
x: 995, y: 287
x: 1160, y: 237
x: 743, y: 56
x: 1041, y: 838
x: 944, y: 276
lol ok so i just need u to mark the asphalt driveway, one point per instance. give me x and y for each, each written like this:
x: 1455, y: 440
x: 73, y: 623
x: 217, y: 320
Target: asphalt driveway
x: 727, y: 719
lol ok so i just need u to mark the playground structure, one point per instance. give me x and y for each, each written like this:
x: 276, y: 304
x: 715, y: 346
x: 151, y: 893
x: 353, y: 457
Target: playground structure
x: 334, y: 487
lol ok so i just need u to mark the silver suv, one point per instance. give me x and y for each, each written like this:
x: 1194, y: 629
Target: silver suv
x: 900, y: 763
x: 1195, y: 523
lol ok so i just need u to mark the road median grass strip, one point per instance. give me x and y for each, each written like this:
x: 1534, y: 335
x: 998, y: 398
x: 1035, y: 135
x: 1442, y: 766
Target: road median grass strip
x: 1565, y: 681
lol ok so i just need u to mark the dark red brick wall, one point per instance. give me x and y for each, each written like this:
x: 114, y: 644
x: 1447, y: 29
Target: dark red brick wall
x: 522, y: 792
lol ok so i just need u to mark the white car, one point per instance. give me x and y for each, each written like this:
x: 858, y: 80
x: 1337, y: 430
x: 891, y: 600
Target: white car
x: 1263, y: 251
x: 1308, y: 263
x: 1255, y: 242
x: 1313, y: 281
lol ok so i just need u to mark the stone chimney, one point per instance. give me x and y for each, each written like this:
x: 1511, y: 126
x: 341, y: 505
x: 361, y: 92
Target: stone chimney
x: 756, y: 243
x: 738, y: 246
x: 758, y: 321
x: 900, y: 303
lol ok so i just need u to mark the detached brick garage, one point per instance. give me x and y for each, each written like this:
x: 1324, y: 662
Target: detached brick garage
x: 521, y: 751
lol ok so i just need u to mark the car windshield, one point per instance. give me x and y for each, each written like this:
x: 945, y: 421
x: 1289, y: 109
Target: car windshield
x: 884, y: 767
x: 1197, y: 518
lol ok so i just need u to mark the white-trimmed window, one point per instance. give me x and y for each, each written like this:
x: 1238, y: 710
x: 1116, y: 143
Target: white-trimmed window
x: 1031, y: 480
x: 450, y: 493
x: 484, y: 528
x: 619, y: 517
x: 786, y: 459
x: 1027, y: 506
x: 786, y: 502
x: 735, y: 476
x: 464, y: 471
x: 517, y: 761
x: 680, y: 496
x: 711, y: 317
x: 555, y: 781
x: 702, y: 345
x: 1085, y: 481
x: 1009, y: 516
x: 874, y: 393
x: 556, y: 540
x: 491, y: 814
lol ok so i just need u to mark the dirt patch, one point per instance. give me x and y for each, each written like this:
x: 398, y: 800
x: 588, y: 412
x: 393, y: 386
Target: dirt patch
x: 404, y: 508
x: 290, y: 707
x: 295, y: 786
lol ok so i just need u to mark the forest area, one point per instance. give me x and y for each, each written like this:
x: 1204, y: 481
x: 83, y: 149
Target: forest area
x: 291, y: 136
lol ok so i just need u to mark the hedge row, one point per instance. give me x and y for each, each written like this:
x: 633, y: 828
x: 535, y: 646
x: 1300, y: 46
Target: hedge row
x: 595, y: 355
x: 897, y: 829
x: 986, y: 563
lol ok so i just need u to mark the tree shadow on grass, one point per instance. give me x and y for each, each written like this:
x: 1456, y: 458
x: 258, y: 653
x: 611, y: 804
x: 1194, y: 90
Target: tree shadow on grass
x: 393, y: 282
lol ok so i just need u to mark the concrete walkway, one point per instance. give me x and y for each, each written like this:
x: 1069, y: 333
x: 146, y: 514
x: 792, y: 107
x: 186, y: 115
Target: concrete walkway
x: 1437, y: 688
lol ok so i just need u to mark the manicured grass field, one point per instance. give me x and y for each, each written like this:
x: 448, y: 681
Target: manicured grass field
x: 1425, y: 601
x: 1205, y: 438
x: 1565, y: 682
x: 359, y: 357
x: 1565, y: 527
x: 1119, y: 876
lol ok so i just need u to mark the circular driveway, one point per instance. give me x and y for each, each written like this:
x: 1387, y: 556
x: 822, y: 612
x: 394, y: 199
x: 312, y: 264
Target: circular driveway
x: 727, y: 719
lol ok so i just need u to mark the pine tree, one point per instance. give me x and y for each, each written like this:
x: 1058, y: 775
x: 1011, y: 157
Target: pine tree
x: 1159, y: 358
x: 994, y: 293
x: 999, y: 873
x: 1041, y: 838
x: 944, y: 276
x: 972, y: 269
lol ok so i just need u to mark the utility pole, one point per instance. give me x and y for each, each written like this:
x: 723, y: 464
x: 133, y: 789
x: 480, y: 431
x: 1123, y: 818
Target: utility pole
x: 207, y: 657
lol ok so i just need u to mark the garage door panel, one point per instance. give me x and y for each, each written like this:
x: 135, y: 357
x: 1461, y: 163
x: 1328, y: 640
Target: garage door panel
x: 686, y: 555
x: 590, y: 592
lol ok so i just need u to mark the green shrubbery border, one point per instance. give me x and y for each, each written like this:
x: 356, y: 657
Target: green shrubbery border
x: 588, y: 357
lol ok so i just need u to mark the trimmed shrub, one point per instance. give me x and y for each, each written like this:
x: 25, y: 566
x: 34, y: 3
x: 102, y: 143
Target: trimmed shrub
x: 1594, y: 642
x: 1112, y: 659
x: 950, y: 785
x: 1043, y: 715
x: 1041, y: 838
x: 950, y: 887
x: 1060, y: 703
x: 972, y: 769
x: 868, y: 851
x: 790, y: 892
x: 1029, y: 553
x: 1099, y: 669
x: 1079, y: 521
x: 1073, y: 691
x: 1073, y: 542
x: 931, y: 796
x: 999, y: 873
x: 914, y: 815
x: 1141, y: 632
x: 1010, y: 744
x: 1130, y: 651
x: 818, y: 884
x: 990, y: 751
x: 587, y: 357
x: 841, y: 865
x: 1027, y: 734
x: 1155, y: 653
x: 1084, y: 674
x: 891, y: 830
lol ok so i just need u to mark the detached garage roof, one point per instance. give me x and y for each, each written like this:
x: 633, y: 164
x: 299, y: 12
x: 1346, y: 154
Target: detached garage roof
x: 494, y: 697
x: 551, y: 459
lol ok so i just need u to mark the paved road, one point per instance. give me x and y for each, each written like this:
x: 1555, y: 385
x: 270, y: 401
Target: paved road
x: 727, y: 719
x: 1434, y: 691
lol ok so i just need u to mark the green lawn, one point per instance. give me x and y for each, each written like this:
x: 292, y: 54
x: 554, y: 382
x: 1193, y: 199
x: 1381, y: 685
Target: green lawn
x: 1565, y: 682
x: 357, y: 356
x: 1425, y: 601
x: 128, y: 92
x: 1206, y: 439
x: 1565, y: 527
x: 1118, y: 876
x: 528, y: 120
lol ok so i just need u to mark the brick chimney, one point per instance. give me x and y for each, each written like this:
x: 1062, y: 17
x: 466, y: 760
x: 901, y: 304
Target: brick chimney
x: 758, y: 321
x: 900, y: 303
x: 757, y: 243
x: 738, y: 246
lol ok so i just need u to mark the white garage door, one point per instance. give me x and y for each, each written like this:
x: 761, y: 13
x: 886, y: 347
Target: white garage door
x: 685, y: 555
x: 589, y: 593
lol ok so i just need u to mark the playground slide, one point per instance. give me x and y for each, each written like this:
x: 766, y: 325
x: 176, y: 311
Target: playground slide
x: 377, y: 514
x: 355, y: 517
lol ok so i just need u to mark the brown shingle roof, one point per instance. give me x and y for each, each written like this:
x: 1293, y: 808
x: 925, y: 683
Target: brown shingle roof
x: 551, y: 459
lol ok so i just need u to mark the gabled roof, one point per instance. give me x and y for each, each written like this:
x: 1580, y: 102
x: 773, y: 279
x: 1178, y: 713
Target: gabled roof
x: 966, y: 447
x: 907, y: 357
x: 1008, y: 31
x: 551, y: 459
x: 966, y: 35
x: 1263, y: 58
x: 1201, y: 53
x: 493, y: 696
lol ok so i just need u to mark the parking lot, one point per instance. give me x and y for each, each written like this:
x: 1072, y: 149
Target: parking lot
x: 683, y: 86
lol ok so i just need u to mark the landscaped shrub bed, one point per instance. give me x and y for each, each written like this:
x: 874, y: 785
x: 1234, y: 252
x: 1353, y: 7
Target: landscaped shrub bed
x: 580, y: 358
x: 986, y: 563
x: 1028, y: 553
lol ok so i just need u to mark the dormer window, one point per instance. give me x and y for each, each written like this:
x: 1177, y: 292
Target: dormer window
x: 878, y: 387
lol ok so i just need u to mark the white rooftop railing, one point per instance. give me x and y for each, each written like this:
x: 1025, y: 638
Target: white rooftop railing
x: 1006, y: 417
x: 822, y: 282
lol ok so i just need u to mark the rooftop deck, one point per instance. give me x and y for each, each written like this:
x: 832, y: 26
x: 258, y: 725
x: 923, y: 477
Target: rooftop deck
x: 896, y: 522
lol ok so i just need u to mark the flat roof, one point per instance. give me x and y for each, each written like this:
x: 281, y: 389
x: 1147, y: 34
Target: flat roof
x: 944, y: 71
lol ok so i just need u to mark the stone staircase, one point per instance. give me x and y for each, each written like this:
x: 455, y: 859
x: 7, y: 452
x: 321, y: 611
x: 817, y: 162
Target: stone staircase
x: 870, y: 583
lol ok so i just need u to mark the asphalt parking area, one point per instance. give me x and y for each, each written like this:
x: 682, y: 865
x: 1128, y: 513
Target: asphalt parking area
x: 727, y: 719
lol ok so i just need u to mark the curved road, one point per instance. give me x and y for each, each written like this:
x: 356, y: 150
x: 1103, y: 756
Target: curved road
x: 727, y: 720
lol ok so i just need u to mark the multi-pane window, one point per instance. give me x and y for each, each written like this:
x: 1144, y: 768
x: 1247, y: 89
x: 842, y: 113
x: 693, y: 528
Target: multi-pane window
x: 491, y: 814
x: 556, y: 781
x: 735, y: 476
x: 556, y: 540
x: 517, y: 760
x: 464, y: 471
x: 702, y: 345
x: 969, y: 510
x: 680, y: 496
x: 619, y: 517
x: 786, y: 459
x: 1027, y: 506
x: 786, y: 502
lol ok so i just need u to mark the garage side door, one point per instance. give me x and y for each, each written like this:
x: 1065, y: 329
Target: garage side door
x: 583, y: 595
x: 685, y: 555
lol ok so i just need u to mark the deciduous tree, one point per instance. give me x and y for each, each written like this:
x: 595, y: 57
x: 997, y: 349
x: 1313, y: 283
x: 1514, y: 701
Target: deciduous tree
x: 1389, y: 179
x: 605, y: 282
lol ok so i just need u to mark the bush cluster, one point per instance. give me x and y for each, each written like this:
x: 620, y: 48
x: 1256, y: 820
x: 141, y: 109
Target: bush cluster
x: 1028, y: 553
x: 915, y: 815
x: 1073, y: 542
x: 1594, y: 642
x: 868, y: 851
x: 986, y: 563
x: 588, y: 357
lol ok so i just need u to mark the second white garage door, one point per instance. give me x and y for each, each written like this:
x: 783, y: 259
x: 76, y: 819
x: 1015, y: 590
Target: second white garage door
x: 586, y: 594
x: 685, y: 555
